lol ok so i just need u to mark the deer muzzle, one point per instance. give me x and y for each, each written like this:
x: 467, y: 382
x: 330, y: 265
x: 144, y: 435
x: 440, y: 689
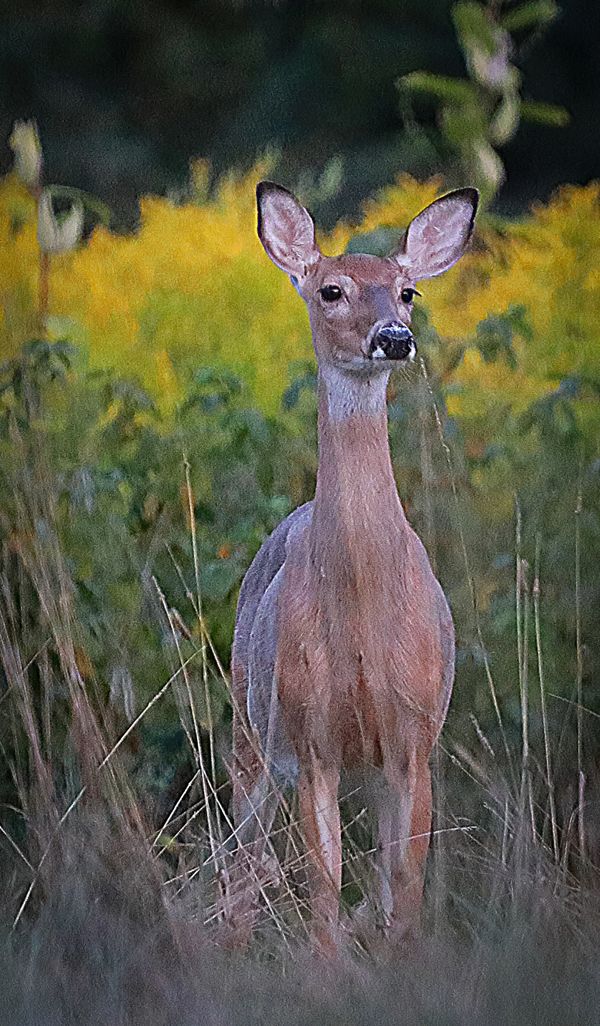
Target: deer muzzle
x: 392, y: 341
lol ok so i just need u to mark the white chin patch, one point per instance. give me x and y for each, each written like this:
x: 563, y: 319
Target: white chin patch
x: 378, y: 354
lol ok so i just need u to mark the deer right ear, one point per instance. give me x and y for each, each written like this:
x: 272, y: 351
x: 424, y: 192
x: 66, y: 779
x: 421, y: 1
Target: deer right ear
x: 286, y: 230
x: 437, y: 237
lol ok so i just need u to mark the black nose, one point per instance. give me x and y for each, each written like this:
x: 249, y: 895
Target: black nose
x: 394, y: 340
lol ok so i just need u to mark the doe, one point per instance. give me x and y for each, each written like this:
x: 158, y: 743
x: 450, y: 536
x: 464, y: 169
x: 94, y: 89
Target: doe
x: 343, y: 653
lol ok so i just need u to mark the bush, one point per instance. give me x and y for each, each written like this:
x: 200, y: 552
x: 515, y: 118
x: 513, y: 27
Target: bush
x: 167, y: 423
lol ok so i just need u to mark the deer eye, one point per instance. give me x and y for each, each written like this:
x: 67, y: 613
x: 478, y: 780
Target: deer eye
x: 407, y: 295
x: 331, y: 293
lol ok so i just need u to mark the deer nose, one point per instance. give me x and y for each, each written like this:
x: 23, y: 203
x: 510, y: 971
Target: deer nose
x: 393, y: 341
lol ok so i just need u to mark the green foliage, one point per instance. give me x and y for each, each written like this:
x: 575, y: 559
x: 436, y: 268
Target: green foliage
x: 480, y: 114
x: 161, y: 421
x: 87, y: 461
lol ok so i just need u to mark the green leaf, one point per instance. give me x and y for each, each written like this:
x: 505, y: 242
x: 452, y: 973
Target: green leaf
x: 89, y: 202
x: 304, y: 381
x: 505, y: 121
x: 494, y: 336
x: 219, y: 577
x: 530, y: 15
x: 473, y: 23
x: 545, y: 114
x: 451, y: 90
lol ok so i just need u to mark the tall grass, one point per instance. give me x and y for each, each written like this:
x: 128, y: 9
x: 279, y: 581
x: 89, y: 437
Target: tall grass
x: 112, y: 903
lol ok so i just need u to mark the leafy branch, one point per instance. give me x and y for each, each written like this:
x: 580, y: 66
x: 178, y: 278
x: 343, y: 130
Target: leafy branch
x: 483, y: 112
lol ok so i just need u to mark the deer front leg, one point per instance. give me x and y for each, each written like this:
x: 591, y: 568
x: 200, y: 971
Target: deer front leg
x: 320, y: 820
x: 404, y: 829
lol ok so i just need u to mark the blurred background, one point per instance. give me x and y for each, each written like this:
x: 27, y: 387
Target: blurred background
x: 126, y: 93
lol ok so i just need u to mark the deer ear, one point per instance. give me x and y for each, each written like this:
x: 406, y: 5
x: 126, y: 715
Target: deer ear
x: 286, y: 230
x: 438, y: 236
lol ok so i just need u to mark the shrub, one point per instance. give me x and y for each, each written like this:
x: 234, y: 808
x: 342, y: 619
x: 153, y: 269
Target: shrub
x: 166, y: 424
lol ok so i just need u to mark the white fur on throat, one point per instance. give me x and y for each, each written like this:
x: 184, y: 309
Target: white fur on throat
x: 351, y: 393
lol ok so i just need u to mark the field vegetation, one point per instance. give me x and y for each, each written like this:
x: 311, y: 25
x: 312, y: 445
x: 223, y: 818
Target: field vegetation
x: 157, y: 420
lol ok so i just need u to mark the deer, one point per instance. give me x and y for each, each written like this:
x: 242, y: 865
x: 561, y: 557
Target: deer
x: 343, y: 652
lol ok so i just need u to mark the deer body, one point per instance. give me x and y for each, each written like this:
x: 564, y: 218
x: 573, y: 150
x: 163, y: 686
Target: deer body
x: 344, y: 647
x: 361, y: 614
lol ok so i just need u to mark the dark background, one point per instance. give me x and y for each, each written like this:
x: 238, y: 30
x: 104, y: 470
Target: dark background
x: 125, y: 93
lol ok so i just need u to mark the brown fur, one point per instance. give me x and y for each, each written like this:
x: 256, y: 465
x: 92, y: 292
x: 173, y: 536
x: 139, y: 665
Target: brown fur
x: 344, y: 644
x: 360, y: 664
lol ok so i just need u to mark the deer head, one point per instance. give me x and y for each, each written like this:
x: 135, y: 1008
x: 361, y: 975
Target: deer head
x: 359, y: 305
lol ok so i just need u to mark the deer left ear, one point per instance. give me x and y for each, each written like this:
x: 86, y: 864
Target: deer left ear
x: 439, y: 235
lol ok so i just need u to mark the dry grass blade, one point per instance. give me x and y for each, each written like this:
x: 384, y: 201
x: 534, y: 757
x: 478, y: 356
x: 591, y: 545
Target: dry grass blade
x: 468, y: 572
x: 196, y: 744
x: 579, y: 682
x: 540, y: 666
x: 205, y: 680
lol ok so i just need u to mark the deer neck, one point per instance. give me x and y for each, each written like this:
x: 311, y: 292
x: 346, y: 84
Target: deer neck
x: 358, y: 521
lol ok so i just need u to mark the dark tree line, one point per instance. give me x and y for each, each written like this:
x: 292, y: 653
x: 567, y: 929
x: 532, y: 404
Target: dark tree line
x: 125, y: 93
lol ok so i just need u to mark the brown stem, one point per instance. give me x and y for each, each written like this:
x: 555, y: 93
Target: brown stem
x: 44, y: 273
x: 44, y: 291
